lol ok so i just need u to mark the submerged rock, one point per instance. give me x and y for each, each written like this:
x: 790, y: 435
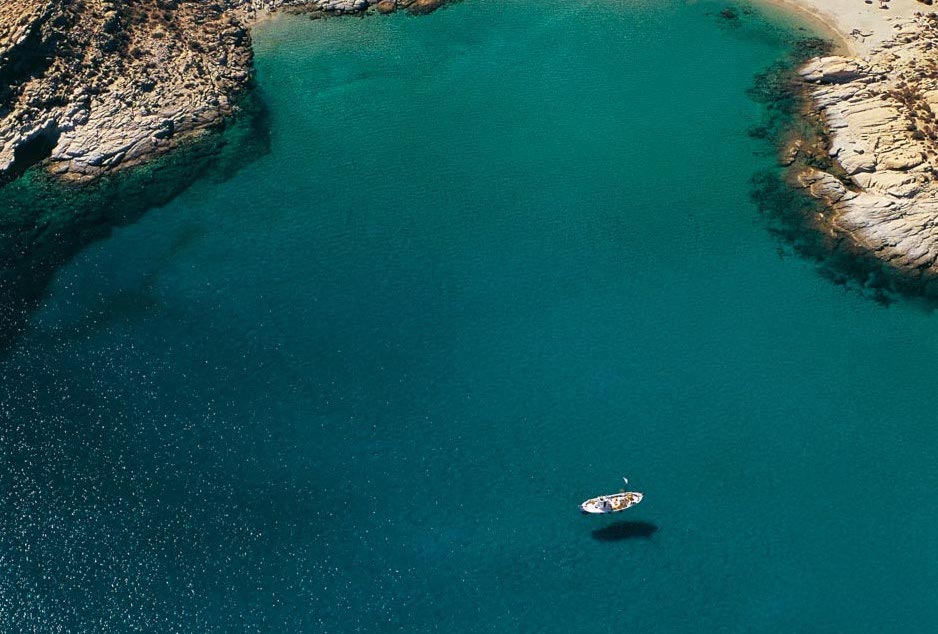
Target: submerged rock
x: 424, y: 6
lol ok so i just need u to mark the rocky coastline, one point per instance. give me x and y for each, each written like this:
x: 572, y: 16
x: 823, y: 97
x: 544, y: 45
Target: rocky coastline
x: 89, y: 87
x: 880, y: 184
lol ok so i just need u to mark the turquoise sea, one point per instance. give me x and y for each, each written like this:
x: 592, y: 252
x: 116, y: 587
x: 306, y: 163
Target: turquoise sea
x: 474, y: 268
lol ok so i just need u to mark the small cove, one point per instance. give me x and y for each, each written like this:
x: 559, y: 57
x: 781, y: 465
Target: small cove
x: 491, y: 260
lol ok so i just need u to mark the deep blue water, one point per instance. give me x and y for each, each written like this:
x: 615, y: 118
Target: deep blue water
x: 495, y: 259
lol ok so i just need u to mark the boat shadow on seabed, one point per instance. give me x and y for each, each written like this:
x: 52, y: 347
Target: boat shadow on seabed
x: 621, y: 531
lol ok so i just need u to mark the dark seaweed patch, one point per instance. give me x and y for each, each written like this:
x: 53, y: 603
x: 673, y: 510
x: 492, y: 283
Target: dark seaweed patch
x: 44, y: 223
x: 792, y: 216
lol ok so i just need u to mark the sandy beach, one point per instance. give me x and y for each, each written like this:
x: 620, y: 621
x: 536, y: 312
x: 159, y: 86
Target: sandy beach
x: 861, y: 26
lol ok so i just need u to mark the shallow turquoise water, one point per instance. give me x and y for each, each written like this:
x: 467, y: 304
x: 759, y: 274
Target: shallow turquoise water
x: 497, y: 258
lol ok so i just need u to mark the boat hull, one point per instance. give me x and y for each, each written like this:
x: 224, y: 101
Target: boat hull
x: 611, y: 503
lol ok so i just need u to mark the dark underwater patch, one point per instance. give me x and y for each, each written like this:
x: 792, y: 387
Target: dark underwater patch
x: 44, y: 223
x: 790, y: 215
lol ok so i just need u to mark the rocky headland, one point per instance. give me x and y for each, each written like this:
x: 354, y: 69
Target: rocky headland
x: 881, y: 187
x: 88, y: 87
x: 870, y: 152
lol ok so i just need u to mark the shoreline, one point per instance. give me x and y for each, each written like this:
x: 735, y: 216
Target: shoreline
x: 93, y: 88
x: 842, y: 42
x: 881, y: 200
x: 121, y: 112
x: 100, y: 104
x: 842, y: 17
x: 871, y: 157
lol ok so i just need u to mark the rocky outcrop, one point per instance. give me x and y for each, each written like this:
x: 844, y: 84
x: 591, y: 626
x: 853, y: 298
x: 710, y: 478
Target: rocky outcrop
x: 880, y: 112
x: 90, y: 86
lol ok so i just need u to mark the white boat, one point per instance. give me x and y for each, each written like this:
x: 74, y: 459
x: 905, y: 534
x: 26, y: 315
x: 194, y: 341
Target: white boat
x: 612, y: 503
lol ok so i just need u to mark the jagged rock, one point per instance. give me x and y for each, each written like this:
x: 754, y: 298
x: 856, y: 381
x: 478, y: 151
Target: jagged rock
x: 833, y: 70
x: 824, y: 186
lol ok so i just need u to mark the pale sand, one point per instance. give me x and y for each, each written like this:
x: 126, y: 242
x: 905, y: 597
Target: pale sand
x: 843, y: 16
